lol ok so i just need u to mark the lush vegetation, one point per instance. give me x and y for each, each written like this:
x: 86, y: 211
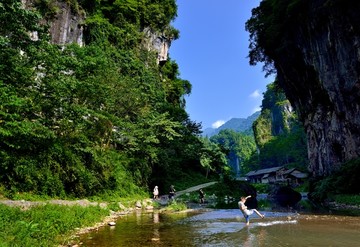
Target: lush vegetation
x: 175, y: 206
x: 278, y: 138
x: 347, y: 199
x: 279, y: 135
x: 105, y: 120
x: 45, y: 225
x: 102, y: 119
x: 343, y: 182
x: 267, y: 26
x: 239, y: 148
x: 270, y: 37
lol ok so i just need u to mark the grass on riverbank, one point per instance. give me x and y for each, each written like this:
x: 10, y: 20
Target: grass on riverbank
x: 348, y: 199
x: 53, y: 225
x: 48, y: 225
x: 175, y: 206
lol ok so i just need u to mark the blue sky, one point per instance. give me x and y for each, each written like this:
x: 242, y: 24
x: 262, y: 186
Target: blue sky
x: 212, y: 54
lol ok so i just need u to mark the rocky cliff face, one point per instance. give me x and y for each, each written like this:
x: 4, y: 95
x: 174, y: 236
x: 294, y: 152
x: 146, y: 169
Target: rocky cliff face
x: 67, y: 26
x: 319, y: 69
x: 276, y: 118
x: 159, y: 43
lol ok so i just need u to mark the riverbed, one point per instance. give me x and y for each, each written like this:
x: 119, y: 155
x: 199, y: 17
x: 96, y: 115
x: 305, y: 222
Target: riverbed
x: 226, y: 228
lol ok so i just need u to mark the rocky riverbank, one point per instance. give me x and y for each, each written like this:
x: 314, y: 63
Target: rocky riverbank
x: 346, y: 208
x: 122, y: 210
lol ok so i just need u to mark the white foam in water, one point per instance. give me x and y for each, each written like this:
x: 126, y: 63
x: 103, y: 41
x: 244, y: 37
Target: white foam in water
x: 277, y: 222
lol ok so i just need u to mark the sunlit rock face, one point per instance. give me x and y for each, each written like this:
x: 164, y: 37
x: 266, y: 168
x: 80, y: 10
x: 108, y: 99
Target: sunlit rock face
x: 319, y: 69
x: 66, y: 26
x: 157, y: 42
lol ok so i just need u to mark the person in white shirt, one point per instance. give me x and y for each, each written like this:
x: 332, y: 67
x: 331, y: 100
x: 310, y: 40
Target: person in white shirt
x: 156, y: 193
x: 247, y: 212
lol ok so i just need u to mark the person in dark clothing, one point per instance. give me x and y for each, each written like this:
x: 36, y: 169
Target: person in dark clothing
x: 172, y: 192
x: 201, y: 196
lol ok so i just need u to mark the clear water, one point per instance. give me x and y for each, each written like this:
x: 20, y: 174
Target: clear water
x: 227, y: 228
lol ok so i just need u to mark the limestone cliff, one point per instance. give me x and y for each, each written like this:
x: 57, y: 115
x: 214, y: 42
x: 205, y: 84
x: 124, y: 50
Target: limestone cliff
x: 316, y: 53
x: 158, y: 42
x: 67, y: 24
x: 276, y: 118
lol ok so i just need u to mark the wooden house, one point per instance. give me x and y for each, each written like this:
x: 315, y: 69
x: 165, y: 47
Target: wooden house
x: 277, y: 174
x: 294, y: 176
x: 268, y: 175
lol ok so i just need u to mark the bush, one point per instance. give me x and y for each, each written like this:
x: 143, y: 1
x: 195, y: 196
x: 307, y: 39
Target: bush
x: 348, y: 199
x: 344, y: 181
x: 176, y: 206
x: 261, y: 188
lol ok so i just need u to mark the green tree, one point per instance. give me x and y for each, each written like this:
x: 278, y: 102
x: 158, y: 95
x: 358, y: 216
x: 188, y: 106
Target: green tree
x: 266, y: 27
x: 213, y: 158
x: 239, y: 145
x: 279, y: 135
x: 103, y: 118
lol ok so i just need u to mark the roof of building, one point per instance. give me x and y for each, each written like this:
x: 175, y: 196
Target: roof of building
x: 264, y: 171
x: 298, y: 174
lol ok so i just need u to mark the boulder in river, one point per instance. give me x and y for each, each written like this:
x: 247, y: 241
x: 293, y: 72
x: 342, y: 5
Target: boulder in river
x: 285, y: 196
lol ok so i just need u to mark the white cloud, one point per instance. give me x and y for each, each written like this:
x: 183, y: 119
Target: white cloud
x: 217, y: 124
x: 258, y: 108
x: 256, y: 94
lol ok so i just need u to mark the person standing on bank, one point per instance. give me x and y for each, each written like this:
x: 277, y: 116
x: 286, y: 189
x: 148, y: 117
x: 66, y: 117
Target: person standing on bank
x: 156, y: 193
x: 247, y: 212
x: 201, y: 196
x: 172, y: 192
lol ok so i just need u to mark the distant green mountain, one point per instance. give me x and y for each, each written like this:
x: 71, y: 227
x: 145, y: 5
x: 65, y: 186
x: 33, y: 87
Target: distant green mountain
x: 236, y: 124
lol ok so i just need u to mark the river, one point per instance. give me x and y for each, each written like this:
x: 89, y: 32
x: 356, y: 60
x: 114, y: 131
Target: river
x: 223, y: 228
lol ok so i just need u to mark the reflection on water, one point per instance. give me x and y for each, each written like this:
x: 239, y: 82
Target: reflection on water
x: 227, y: 228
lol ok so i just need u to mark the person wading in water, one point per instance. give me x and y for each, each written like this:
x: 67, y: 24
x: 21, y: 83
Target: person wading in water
x: 247, y: 212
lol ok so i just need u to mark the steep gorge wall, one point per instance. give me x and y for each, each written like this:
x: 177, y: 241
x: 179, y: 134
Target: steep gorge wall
x: 276, y: 116
x: 319, y: 70
x: 158, y: 42
x: 67, y: 26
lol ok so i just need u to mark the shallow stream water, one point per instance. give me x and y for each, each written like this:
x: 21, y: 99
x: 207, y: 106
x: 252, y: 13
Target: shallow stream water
x: 227, y: 228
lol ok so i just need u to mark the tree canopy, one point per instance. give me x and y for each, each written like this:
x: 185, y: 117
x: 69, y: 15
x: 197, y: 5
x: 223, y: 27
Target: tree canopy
x: 279, y: 135
x: 102, y: 118
x: 239, y: 146
x: 266, y: 27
